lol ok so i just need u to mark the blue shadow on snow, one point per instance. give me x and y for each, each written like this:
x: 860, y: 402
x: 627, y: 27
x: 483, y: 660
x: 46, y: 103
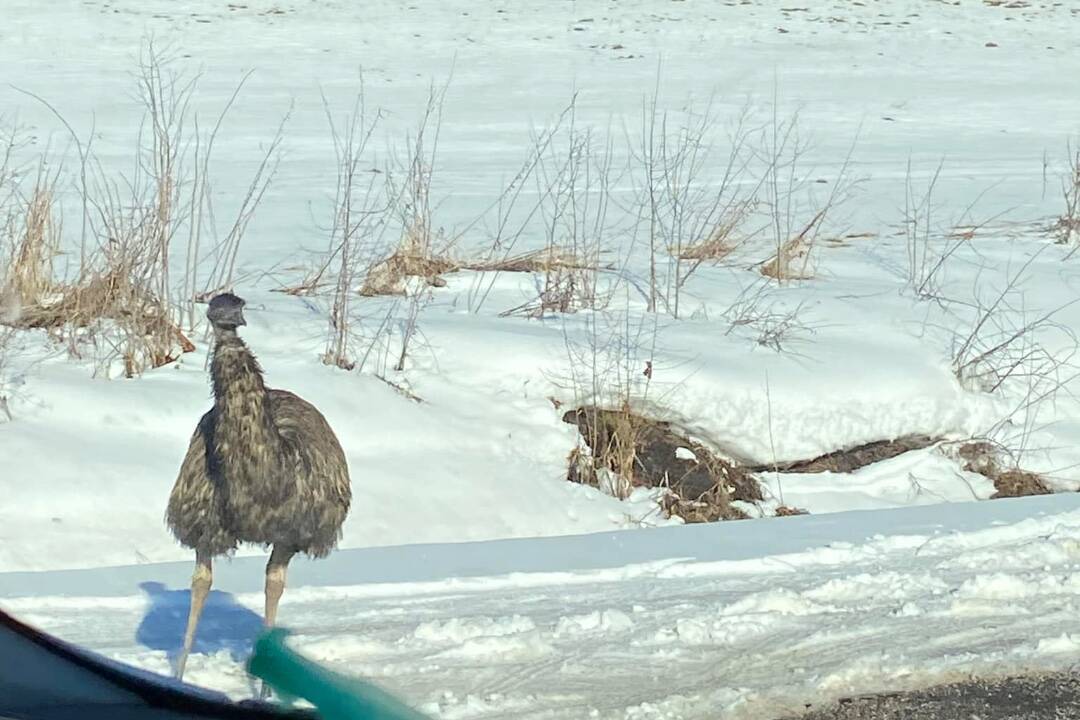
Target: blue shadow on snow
x: 224, y: 625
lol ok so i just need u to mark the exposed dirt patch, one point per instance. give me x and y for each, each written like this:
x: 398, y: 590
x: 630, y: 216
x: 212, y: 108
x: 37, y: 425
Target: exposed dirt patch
x: 641, y: 452
x: 851, y: 459
x: 983, y: 458
x: 626, y: 450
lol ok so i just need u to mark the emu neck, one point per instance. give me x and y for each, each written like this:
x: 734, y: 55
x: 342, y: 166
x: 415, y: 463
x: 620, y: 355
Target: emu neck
x: 235, y: 371
x: 247, y: 443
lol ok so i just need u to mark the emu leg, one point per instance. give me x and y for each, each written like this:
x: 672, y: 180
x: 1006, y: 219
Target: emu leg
x: 201, y: 580
x: 275, y: 580
x: 275, y: 587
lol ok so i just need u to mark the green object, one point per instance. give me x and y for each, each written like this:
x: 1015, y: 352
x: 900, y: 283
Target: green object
x: 335, y: 696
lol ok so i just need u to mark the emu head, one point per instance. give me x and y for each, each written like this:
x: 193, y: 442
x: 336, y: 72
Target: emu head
x: 226, y: 312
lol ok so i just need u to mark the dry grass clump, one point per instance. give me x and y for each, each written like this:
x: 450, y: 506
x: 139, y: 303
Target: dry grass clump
x: 115, y: 298
x: 148, y: 336
x: 390, y: 276
x: 715, y: 247
x: 35, y: 242
x: 712, y: 506
x: 551, y: 258
x: 31, y: 242
x: 984, y: 458
x: 721, y: 240
x: 116, y: 291
x: 792, y: 258
x: 627, y: 450
x: 568, y: 282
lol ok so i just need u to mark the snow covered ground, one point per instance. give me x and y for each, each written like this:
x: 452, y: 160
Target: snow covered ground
x: 749, y: 619
x: 756, y: 616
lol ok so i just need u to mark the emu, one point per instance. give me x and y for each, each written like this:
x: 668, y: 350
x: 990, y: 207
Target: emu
x: 263, y: 467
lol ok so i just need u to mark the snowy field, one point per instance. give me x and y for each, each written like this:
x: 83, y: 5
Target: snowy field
x: 932, y: 299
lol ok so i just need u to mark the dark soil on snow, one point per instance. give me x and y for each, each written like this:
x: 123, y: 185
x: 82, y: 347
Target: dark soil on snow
x: 851, y: 459
x: 703, y: 483
x: 1050, y: 696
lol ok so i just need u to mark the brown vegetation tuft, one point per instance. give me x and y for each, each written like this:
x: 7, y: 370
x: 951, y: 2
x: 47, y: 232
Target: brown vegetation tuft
x: 792, y: 259
x: 390, y: 276
x: 117, y: 298
x: 984, y: 458
x: 35, y: 242
x: 641, y: 452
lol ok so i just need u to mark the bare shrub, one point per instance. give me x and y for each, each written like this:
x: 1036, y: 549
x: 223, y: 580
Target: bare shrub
x: 360, y: 212
x: 687, y: 211
x: 771, y: 322
x: 366, y: 212
x: 121, y: 282
x: 421, y: 249
x: 999, y: 344
x: 223, y: 253
x: 507, y: 219
x: 573, y: 176
x: 930, y: 245
x: 610, y: 373
x: 1024, y: 356
x: 1067, y: 226
x: 121, y: 302
x: 11, y: 141
x: 571, y: 191
x: 789, y: 198
x: 1003, y: 343
x: 924, y: 260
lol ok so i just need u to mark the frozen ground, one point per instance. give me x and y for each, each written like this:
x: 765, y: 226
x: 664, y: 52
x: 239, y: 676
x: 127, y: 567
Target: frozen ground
x: 765, y: 614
